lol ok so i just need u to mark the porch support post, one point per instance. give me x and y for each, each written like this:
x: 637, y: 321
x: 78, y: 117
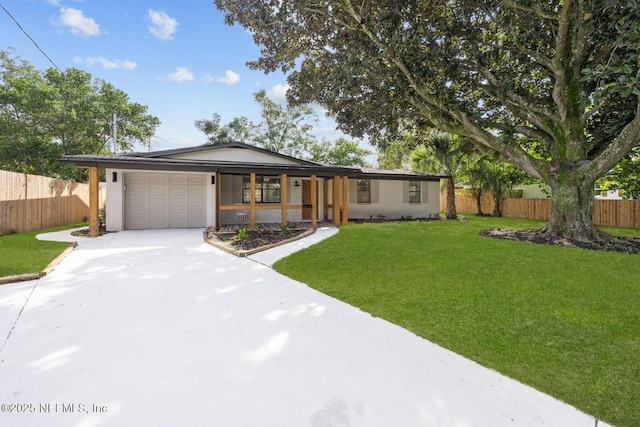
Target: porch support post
x: 283, y: 198
x: 325, y: 199
x: 336, y: 200
x: 345, y: 200
x: 252, y: 201
x: 314, y: 201
x: 94, y: 225
x: 218, y: 218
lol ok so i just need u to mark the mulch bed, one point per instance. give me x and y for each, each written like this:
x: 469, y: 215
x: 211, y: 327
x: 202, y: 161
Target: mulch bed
x: 628, y: 245
x: 255, y: 239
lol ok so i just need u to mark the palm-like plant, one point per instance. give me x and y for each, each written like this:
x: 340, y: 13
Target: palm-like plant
x: 443, y: 154
x: 476, y: 174
x: 501, y: 178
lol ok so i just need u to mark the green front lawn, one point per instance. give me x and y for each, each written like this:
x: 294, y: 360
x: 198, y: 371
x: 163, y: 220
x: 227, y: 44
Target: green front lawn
x: 563, y: 320
x: 22, y: 253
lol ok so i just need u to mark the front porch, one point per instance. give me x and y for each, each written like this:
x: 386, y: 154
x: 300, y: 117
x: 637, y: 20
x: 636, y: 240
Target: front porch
x: 252, y: 199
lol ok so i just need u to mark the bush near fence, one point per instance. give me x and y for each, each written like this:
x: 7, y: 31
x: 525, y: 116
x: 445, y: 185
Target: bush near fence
x: 33, y: 202
x: 613, y: 213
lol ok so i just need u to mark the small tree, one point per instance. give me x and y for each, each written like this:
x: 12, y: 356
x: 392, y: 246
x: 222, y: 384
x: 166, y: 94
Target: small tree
x: 476, y: 174
x: 501, y: 179
x: 443, y: 154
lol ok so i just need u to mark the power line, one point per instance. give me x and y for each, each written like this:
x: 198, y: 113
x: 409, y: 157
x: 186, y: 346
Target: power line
x: 73, y: 85
x: 30, y: 38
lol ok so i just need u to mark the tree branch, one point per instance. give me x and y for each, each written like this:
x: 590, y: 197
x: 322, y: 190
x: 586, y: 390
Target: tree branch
x: 558, y: 68
x: 536, y: 9
x: 532, y: 113
x: 626, y: 140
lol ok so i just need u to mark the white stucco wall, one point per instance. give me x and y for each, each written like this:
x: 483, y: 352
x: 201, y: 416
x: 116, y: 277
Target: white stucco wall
x: 390, y: 201
x: 234, y: 155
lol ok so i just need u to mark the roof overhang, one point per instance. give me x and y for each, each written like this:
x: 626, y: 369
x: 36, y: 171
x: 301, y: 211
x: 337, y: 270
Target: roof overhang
x: 396, y: 174
x: 184, y: 165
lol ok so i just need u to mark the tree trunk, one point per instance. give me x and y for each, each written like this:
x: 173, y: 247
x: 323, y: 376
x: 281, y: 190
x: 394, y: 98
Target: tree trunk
x: 497, y: 208
x: 479, y: 203
x: 451, y: 199
x: 572, y: 211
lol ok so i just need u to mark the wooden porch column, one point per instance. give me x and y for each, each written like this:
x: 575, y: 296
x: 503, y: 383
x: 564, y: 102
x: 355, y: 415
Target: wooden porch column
x: 283, y: 198
x: 345, y: 200
x: 325, y: 199
x: 218, y: 219
x: 336, y: 200
x: 314, y: 201
x: 252, y: 201
x: 94, y: 224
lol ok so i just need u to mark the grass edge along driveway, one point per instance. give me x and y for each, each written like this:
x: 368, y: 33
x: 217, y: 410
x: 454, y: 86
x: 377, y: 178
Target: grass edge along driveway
x: 22, y: 253
x: 562, y: 320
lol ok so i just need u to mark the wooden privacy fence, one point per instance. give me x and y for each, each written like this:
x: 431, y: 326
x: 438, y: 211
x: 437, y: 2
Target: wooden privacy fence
x: 32, y: 202
x: 614, y: 213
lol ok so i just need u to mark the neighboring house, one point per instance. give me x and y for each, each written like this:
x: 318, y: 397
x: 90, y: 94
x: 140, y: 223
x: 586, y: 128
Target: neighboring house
x: 608, y: 194
x: 534, y: 191
x: 234, y: 183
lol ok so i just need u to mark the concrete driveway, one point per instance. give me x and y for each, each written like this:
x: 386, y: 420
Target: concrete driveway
x: 157, y: 328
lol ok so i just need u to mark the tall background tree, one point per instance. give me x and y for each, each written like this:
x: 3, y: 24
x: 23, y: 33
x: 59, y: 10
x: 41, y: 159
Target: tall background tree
x: 238, y: 129
x: 285, y: 130
x: 505, y: 74
x: 47, y: 114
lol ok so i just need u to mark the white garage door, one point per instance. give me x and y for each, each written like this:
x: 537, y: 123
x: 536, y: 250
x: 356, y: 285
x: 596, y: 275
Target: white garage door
x: 164, y: 201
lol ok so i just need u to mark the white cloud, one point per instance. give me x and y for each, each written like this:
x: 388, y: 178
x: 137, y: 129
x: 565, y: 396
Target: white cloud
x: 230, y: 78
x: 59, y: 2
x: 163, y: 26
x: 182, y: 74
x: 116, y: 64
x: 279, y: 92
x: 78, y: 23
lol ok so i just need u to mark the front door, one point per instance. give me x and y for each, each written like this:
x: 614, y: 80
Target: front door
x: 306, y: 200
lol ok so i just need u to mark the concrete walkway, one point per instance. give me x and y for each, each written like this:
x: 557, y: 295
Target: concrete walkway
x: 157, y: 328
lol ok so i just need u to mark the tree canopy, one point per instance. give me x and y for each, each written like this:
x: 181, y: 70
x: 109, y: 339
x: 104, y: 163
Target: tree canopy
x: 531, y: 83
x: 47, y: 114
x: 285, y: 130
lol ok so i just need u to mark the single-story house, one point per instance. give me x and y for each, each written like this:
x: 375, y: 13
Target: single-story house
x: 235, y: 183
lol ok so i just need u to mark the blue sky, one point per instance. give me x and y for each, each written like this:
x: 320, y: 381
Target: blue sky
x: 178, y: 58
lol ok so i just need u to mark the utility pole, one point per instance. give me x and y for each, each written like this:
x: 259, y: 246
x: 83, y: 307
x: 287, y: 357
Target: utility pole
x: 114, y: 128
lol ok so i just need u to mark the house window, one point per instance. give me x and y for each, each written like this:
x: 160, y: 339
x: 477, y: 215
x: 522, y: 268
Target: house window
x: 364, y: 191
x: 414, y: 192
x: 267, y: 189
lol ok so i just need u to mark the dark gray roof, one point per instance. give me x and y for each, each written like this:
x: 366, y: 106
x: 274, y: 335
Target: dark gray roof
x: 398, y: 174
x: 118, y: 161
x: 159, y: 160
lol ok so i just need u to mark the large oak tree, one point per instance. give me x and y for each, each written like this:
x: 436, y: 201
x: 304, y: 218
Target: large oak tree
x: 534, y: 83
